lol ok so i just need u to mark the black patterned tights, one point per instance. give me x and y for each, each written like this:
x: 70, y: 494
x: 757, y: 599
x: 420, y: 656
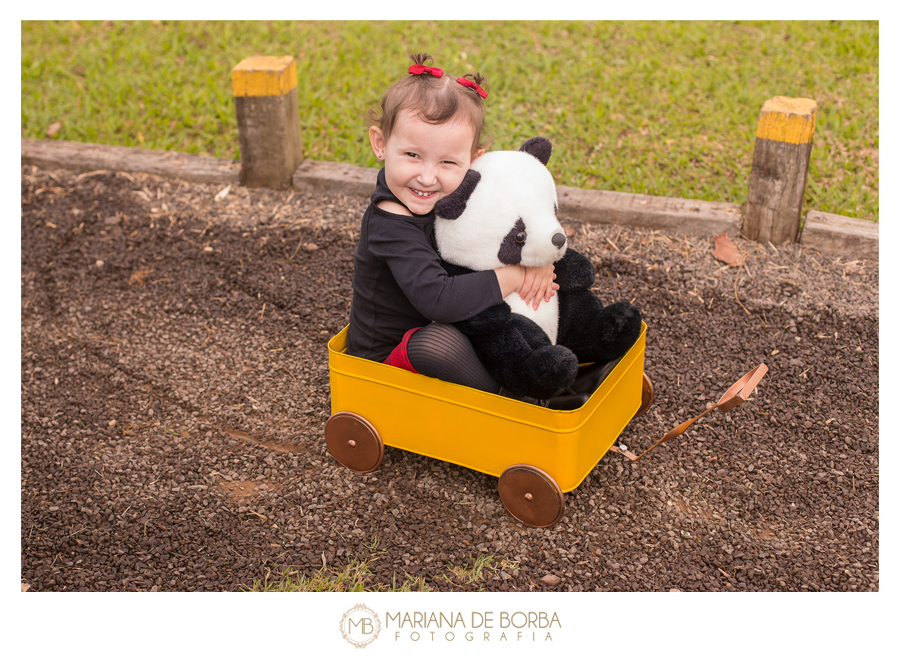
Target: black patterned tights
x: 444, y: 352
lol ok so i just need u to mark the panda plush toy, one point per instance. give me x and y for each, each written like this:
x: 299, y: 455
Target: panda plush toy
x: 505, y: 213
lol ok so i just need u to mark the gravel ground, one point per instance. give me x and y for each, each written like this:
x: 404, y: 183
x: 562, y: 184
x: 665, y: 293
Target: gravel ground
x: 175, y: 385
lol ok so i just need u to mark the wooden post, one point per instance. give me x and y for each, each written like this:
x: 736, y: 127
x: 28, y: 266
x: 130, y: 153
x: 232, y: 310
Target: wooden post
x: 265, y: 100
x: 778, y: 178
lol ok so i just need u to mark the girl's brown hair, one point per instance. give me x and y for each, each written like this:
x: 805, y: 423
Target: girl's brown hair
x: 434, y: 100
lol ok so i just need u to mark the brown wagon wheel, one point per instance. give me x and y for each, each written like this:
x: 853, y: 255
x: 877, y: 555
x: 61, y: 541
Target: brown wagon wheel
x: 354, y: 442
x: 646, y: 396
x: 531, y: 496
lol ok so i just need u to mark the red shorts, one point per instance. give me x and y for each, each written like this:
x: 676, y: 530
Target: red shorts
x: 398, y: 357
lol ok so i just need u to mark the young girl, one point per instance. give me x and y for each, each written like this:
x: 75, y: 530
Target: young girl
x: 428, y: 134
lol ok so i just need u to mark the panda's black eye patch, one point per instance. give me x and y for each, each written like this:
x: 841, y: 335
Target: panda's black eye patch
x: 511, y: 249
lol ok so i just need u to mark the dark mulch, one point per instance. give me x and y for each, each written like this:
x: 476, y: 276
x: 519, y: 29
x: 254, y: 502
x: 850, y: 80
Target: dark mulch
x: 175, y: 386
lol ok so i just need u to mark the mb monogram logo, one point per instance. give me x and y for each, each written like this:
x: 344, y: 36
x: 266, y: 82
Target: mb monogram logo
x: 360, y: 626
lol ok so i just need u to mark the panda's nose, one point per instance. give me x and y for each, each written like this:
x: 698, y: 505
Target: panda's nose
x: 558, y: 240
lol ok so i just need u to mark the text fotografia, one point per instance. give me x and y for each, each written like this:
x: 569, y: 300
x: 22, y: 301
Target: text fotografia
x: 479, y: 626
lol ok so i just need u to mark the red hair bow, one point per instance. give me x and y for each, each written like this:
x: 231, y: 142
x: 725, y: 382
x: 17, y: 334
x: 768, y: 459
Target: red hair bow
x: 474, y: 85
x: 419, y: 69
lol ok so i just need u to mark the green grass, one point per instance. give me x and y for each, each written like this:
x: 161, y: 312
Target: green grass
x: 663, y: 108
x: 352, y: 578
x: 356, y: 576
x: 468, y: 575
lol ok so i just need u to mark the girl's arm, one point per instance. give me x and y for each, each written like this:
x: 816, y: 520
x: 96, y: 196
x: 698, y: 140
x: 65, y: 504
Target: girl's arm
x: 510, y: 279
x: 405, y: 248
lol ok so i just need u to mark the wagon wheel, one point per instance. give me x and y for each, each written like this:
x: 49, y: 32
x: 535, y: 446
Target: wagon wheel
x: 353, y: 442
x: 531, y: 496
x: 646, y: 396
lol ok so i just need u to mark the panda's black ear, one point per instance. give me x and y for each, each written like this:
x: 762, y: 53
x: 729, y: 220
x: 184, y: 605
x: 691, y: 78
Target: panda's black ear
x: 539, y: 147
x: 453, y: 205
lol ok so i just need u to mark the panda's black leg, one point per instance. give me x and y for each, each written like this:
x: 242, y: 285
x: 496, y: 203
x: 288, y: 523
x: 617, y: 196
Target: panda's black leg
x: 596, y: 333
x: 548, y: 371
x: 525, y: 362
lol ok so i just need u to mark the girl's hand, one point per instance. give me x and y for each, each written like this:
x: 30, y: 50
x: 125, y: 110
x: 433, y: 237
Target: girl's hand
x: 538, y: 285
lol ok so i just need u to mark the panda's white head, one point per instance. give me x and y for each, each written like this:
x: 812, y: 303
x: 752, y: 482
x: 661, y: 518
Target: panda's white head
x: 503, y: 213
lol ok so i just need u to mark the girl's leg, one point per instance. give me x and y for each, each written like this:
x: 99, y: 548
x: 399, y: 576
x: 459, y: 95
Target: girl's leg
x: 444, y: 352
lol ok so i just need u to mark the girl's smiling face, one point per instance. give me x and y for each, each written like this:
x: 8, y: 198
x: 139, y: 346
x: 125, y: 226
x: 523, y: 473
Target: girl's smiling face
x: 424, y: 162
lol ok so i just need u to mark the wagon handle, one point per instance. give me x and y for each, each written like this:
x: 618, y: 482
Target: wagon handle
x: 734, y: 396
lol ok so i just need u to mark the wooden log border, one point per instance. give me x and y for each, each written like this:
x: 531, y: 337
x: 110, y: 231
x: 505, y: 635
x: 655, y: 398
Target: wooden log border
x: 82, y: 156
x: 835, y: 234
x: 853, y: 239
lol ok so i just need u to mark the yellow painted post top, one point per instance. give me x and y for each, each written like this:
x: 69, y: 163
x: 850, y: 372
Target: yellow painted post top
x: 264, y: 76
x: 791, y: 120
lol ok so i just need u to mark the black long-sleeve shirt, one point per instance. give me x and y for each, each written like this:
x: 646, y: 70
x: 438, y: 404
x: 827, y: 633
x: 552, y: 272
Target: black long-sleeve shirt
x: 399, y: 284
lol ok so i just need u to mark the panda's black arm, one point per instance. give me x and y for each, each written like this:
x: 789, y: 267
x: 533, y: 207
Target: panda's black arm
x: 489, y: 322
x: 455, y: 270
x: 574, y: 271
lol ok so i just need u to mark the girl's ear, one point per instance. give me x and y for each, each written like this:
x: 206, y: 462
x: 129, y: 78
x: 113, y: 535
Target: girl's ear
x: 376, y: 139
x: 477, y: 155
x: 453, y: 205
